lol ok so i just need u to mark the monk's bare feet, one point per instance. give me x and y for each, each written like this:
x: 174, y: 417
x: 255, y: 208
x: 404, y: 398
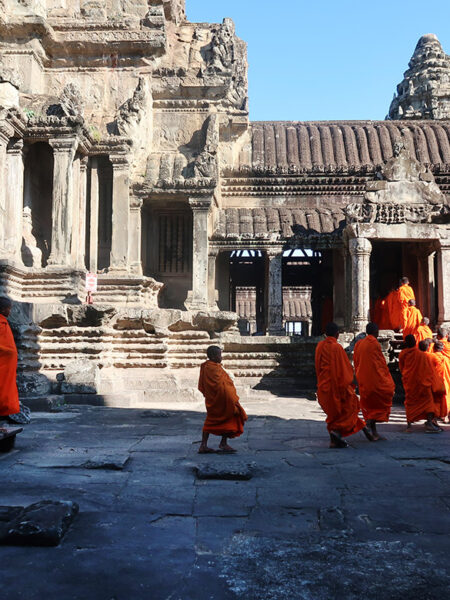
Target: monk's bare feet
x: 226, y: 449
x: 431, y: 427
x: 369, y: 434
x: 336, y: 440
x: 205, y: 450
x: 372, y: 426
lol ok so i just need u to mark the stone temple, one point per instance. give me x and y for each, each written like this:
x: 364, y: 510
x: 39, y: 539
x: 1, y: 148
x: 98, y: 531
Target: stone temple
x: 126, y: 151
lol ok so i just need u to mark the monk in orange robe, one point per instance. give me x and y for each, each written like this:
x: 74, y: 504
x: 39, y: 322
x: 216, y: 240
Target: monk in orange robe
x: 394, y: 311
x: 413, y: 319
x: 442, y: 366
x: 405, y: 293
x: 224, y: 414
x: 423, y: 388
x: 376, y: 386
x: 442, y: 336
x: 423, y: 332
x: 336, y: 390
x: 9, y: 396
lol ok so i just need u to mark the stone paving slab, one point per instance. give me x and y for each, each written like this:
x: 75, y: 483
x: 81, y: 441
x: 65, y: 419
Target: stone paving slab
x: 311, y: 523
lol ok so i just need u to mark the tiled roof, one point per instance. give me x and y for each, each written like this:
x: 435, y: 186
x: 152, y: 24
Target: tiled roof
x: 261, y: 223
x: 342, y: 145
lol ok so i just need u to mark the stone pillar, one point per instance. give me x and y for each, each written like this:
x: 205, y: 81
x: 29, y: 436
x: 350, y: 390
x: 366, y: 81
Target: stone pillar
x: 135, y: 240
x: 443, y: 277
x: 223, y: 280
x: 81, y: 261
x: 14, y: 200
x: 63, y: 200
x: 198, y: 297
x: 360, y: 249
x: 212, y: 292
x: 4, y: 138
x: 339, y: 289
x: 120, y: 215
x: 93, y: 216
x: 275, y: 292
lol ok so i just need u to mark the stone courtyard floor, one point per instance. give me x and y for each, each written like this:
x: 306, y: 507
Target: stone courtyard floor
x: 371, y: 521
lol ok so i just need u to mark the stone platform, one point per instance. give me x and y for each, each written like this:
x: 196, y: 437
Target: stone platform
x: 290, y: 519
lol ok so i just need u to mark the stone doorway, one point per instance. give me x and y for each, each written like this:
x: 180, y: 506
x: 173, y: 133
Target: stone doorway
x: 247, y: 290
x: 37, y: 204
x: 417, y: 260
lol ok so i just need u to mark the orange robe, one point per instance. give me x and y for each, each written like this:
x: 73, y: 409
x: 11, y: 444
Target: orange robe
x: 394, y: 310
x: 9, y: 396
x: 384, y: 320
x: 423, y: 387
x: 225, y: 415
x: 442, y: 368
x: 376, y: 386
x: 405, y: 294
x: 423, y: 332
x: 335, y: 389
x: 413, y: 320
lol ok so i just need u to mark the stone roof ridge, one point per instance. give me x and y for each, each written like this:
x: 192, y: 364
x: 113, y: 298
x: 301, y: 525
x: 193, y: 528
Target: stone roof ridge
x: 340, y: 122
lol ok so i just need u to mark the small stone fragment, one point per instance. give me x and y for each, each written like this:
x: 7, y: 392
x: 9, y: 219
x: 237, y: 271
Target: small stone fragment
x: 237, y: 471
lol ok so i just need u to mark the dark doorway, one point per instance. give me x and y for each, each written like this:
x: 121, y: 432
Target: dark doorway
x: 247, y: 290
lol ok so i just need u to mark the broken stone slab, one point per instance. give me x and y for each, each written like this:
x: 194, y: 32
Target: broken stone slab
x: 236, y: 471
x: 41, y: 524
x: 74, y: 460
x: 8, y: 437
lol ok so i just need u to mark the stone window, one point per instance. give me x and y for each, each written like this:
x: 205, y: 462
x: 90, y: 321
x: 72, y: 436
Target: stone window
x: 174, y: 243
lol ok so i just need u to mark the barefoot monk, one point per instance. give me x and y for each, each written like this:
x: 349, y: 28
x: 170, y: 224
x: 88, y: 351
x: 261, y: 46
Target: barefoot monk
x: 336, y: 390
x: 225, y: 416
x: 376, y: 386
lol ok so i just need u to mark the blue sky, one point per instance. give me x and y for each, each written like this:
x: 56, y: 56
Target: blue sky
x: 329, y: 59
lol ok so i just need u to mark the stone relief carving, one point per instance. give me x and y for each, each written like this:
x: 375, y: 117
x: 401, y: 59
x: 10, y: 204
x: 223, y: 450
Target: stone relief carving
x: 70, y: 104
x: 132, y: 112
x: 205, y: 165
x: 225, y: 57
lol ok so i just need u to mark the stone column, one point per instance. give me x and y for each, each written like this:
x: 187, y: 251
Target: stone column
x: 198, y: 297
x: 443, y: 277
x: 275, y: 292
x: 14, y: 199
x: 360, y: 249
x: 212, y: 258
x: 93, y: 216
x: 81, y: 254
x: 120, y: 215
x: 135, y: 240
x: 5, y: 134
x: 63, y: 200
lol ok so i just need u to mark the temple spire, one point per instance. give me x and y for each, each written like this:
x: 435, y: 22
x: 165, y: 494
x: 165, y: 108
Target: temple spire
x: 424, y: 92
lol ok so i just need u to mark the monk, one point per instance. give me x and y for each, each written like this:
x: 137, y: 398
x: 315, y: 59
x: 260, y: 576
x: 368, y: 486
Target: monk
x: 376, y: 386
x: 442, y: 336
x: 405, y: 293
x: 413, y: 319
x: 224, y: 414
x: 423, y: 388
x: 423, y: 332
x: 9, y: 396
x: 336, y: 390
x: 442, y: 366
x: 393, y: 311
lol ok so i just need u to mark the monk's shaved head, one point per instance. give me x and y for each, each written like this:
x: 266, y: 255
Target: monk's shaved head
x: 438, y: 347
x: 410, y: 341
x: 424, y: 344
x: 412, y: 302
x: 426, y: 321
x: 404, y: 281
x: 5, y: 306
x: 441, y: 333
x: 332, y: 330
x: 372, y: 329
x: 214, y: 353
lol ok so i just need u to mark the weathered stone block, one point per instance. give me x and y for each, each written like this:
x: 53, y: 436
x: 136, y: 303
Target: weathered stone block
x: 234, y: 471
x: 41, y: 524
x: 81, y: 376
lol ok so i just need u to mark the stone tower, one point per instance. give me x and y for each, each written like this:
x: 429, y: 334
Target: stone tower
x: 424, y: 92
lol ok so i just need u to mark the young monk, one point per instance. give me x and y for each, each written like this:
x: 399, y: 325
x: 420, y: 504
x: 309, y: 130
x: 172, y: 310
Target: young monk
x: 224, y: 414
x: 413, y: 319
x: 442, y: 336
x: 336, y: 390
x: 423, y: 388
x: 423, y: 332
x: 405, y: 293
x: 9, y: 396
x: 442, y: 366
x: 376, y: 386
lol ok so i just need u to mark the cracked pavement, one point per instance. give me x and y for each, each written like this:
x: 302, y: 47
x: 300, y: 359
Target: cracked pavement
x: 284, y: 518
